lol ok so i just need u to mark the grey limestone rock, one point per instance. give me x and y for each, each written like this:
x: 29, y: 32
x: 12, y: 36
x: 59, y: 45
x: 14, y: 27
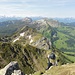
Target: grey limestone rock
x: 11, y: 69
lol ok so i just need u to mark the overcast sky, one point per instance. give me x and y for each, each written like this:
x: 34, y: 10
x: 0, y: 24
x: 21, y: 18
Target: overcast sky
x: 47, y: 8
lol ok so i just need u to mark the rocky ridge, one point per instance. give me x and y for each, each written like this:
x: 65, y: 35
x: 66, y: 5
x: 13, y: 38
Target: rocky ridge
x: 30, y: 36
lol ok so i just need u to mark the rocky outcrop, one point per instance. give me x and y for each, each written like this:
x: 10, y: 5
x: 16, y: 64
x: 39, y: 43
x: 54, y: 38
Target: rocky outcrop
x: 11, y: 69
x: 27, y: 20
x: 30, y: 36
x: 43, y: 43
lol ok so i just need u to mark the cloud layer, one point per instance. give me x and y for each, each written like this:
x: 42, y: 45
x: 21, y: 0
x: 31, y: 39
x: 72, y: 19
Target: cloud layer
x: 49, y: 8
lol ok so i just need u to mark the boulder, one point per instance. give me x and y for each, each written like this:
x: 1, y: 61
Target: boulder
x: 17, y: 72
x: 11, y: 69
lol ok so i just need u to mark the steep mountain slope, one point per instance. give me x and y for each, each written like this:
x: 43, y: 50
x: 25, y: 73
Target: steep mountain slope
x: 30, y: 36
x: 30, y: 59
x: 7, y: 28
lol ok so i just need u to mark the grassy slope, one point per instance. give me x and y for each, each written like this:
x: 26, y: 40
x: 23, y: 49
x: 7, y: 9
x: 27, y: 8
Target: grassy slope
x: 62, y: 70
x: 66, y: 41
x: 68, y: 69
x: 66, y: 38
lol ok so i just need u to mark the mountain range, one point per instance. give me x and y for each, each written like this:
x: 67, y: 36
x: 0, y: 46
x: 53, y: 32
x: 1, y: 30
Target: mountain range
x: 5, y: 18
x: 29, y: 42
x: 65, y: 20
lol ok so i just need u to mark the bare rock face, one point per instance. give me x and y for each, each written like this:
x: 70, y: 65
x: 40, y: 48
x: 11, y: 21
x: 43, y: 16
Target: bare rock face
x: 11, y: 69
x: 17, y: 72
x: 27, y: 20
x: 43, y: 43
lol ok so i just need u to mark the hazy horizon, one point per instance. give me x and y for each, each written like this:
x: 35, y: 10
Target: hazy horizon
x: 36, y: 8
x: 10, y: 16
